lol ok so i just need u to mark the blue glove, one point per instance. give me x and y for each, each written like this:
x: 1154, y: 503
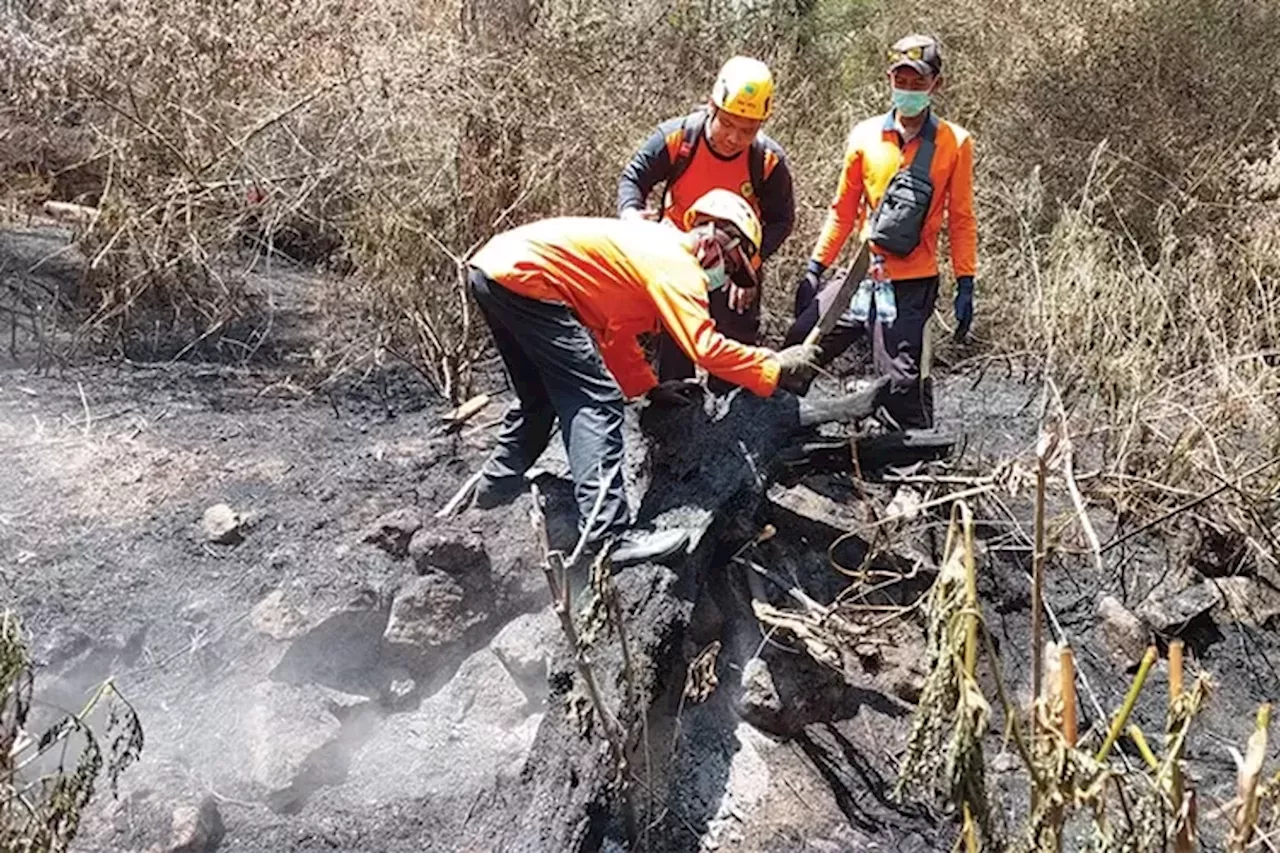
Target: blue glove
x: 808, y: 286
x: 964, y: 306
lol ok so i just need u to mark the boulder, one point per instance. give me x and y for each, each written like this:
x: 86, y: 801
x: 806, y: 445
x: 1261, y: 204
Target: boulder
x: 1123, y: 634
x: 1248, y: 601
x: 526, y: 646
x: 760, y: 705
x: 341, y: 650
x: 1173, y: 614
x: 394, y: 531
x: 450, y: 552
x: 286, y: 732
x: 276, y: 618
x: 429, y: 613
x: 196, y: 828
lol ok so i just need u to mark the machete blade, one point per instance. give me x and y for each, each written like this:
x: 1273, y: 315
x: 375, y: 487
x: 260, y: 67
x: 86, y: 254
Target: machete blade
x: 834, y: 298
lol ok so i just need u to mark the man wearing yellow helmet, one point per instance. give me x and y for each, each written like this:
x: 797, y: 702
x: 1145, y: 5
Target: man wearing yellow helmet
x: 718, y: 146
x: 566, y: 299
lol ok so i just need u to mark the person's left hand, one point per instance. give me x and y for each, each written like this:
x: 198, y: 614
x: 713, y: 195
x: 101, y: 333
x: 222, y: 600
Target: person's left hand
x: 741, y: 298
x: 964, y: 306
x: 675, y: 393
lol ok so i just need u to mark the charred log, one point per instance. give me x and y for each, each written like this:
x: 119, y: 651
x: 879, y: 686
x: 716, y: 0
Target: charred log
x: 704, y: 467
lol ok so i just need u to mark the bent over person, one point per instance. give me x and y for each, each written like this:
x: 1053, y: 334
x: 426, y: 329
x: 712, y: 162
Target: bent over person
x: 904, y: 171
x: 566, y: 299
x: 719, y: 146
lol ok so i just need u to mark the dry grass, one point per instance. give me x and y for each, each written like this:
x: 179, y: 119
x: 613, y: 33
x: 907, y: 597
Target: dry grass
x: 1128, y: 167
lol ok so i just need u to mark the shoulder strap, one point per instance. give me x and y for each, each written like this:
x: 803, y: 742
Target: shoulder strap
x: 924, y: 154
x: 691, y: 132
x: 755, y: 166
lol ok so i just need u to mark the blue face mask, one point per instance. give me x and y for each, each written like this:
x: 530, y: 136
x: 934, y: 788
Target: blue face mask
x: 910, y: 103
x: 716, y: 276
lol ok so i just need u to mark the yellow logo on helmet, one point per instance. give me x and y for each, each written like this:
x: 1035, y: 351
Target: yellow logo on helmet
x: 744, y: 88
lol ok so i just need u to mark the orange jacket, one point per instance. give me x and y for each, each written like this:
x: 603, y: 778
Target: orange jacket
x: 872, y: 157
x: 623, y: 279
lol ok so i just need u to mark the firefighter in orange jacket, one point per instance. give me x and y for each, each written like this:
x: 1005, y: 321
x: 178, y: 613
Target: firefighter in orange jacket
x: 566, y: 299
x: 719, y: 146
x: 878, y: 149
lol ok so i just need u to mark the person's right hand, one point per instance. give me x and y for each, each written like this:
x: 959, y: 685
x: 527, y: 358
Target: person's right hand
x: 635, y: 214
x: 797, y: 366
x: 808, y: 286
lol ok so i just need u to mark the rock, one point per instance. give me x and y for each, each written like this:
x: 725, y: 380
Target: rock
x: 450, y: 552
x: 760, y: 705
x: 286, y: 732
x: 907, y: 682
x: 747, y: 786
x: 905, y: 504
x: 1249, y: 601
x: 1123, y: 634
x: 394, y: 531
x: 1172, y: 614
x: 458, y: 743
x: 428, y: 613
x: 398, y: 690
x: 525, y: 646
x: 196, y: 829
x: 222, y: 524
x: 345, y: 705
x: 276, y: 618
x: 342, y: 650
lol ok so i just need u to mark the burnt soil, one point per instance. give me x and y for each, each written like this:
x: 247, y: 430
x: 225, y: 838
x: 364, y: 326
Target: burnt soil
x: 109, y: 466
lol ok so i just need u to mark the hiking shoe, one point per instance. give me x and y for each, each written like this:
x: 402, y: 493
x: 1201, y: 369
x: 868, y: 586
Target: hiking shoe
x: 648, y: 546
x: 489, y: 493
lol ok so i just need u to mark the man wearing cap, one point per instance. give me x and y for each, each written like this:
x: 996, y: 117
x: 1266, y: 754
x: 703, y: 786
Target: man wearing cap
x: 566, y: 298
x: 718, y: 146
x: 879, y: 156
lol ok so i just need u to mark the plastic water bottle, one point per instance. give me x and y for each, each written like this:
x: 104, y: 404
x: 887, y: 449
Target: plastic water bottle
x: 886, y: 303
x: 886, y: 299
x: 860, y: 307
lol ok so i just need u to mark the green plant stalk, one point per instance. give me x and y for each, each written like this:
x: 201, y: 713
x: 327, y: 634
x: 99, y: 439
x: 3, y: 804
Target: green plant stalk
x: 1144, y: 749
x: 1117, y: 725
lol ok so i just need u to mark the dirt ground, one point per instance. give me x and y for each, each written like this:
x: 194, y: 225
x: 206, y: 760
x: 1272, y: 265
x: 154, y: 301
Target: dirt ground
x: 109, y: 468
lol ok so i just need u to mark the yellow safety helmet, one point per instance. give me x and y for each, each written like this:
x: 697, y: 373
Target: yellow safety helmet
x: 728, y: 207
x: 744, y: 88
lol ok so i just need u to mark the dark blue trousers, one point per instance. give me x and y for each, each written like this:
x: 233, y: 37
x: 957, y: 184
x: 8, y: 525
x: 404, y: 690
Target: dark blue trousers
x: 557, y: 372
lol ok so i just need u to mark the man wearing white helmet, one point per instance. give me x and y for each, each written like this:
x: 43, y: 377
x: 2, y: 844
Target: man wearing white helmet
x: 718, y: 146
x: 566, y: 299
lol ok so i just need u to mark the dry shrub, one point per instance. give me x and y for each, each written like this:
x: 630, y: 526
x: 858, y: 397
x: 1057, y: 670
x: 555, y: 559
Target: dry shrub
x: 404, y: 134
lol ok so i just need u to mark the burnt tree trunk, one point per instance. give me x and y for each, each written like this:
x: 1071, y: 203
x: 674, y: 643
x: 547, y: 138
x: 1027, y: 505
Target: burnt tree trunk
x: 702, y: 471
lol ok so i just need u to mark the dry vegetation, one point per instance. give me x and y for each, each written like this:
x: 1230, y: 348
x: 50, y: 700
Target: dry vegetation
x: 1129, y: 171
x: 50, y: 768
x: 1129, y: 159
